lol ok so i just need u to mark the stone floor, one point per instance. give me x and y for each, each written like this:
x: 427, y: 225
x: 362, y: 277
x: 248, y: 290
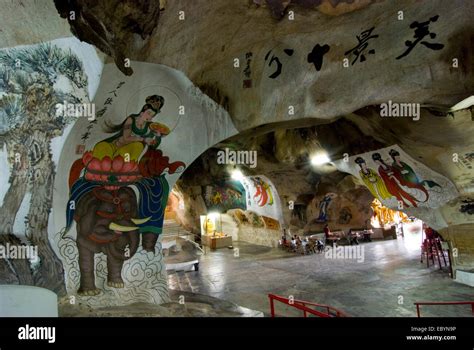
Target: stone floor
x: 183, y: 304
x: 387, y: 283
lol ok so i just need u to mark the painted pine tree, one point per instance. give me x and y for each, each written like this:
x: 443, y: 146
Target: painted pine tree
x: 32, y: 81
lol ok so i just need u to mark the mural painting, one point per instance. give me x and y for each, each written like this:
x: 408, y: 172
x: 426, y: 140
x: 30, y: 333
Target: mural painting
x: 345, y: 216
x: 263, y: 193
x: 323, y: 207
x: 34, y: 80
x: 118, y: 192
x: 398, y: 181
x: 262, y: 197
x: 224, y: 196
x: 139, y: 140
x: 270, y: 223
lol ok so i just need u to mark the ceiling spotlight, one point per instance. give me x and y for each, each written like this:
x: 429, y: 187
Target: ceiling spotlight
x: 320, y: 159
x: 237, y: 175
x: 214, y: 215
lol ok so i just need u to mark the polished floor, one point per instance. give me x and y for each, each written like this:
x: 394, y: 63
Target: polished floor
x: 387, y: 283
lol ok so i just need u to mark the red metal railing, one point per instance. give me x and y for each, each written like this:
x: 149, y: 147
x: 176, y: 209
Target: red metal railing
x: 304, y: 306
x: 443, y: 303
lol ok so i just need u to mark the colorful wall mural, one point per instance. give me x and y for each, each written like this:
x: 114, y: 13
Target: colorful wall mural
x: 323, y: 207
x: 34, y: 81
x: 263, y: 193
x: 262, y: 196
x: 255, y: 194
x: 110, y: 217
x: 399, y: 181
x: 224, y: 196
x: 116, y: 171
x: 270, y: 223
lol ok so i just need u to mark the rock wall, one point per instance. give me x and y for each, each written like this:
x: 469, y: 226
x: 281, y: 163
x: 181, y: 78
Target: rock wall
x: 293, y: 71
x: 188, y: 214
x: 343, y: 211
x: 334, y: 90
x: 31, y: 23
x: 257, y: 92
x: 462, y: 245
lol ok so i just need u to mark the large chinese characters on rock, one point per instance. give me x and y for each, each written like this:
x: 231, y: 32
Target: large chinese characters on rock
x: 118, y: 194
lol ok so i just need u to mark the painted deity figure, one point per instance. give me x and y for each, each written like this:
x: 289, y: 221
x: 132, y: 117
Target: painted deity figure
x: 263, y: 192
x: 110, y: 215
x: 134, y: 133
x: 405, y: 192
x: 323, y: 208
x: 372, y: 180
x: 408, y: 174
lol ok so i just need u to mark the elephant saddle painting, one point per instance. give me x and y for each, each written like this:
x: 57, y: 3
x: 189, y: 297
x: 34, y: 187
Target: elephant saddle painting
x: 118, y: 195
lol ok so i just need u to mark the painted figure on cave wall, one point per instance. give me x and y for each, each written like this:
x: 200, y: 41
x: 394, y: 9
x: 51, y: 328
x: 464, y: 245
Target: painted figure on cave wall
x: 408, y: 174
x: 134, y: 133
x: 405, y: 192
x: 372, y: 180
x: 105, y: 178
x: 323, y: 207
x: 345, y: 216
x: 263, y: 192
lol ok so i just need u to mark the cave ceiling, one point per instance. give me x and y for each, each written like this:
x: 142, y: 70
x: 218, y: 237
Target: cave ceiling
x: 338, y: 107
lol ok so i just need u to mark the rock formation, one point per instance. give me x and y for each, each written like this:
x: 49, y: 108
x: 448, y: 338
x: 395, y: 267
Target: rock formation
x: 295, y: 76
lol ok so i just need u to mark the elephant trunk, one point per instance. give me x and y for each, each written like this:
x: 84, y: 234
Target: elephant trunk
x: 130, y: 236
x: 117, y: 249
x: 134, y: 241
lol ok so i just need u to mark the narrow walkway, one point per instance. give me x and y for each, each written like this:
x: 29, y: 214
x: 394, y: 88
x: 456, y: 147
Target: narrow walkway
x: 387, y: 283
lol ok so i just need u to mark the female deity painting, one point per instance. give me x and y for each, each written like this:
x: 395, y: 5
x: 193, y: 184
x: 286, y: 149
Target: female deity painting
x: 406, y: 192
x: 134, y: 133
x: 128, y: 158
x: 323, y: 207
x: 372, y: 180
x: 131, y: 153
x: 118, y: 195
x: 263, y: 193
x: 408, y: 174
